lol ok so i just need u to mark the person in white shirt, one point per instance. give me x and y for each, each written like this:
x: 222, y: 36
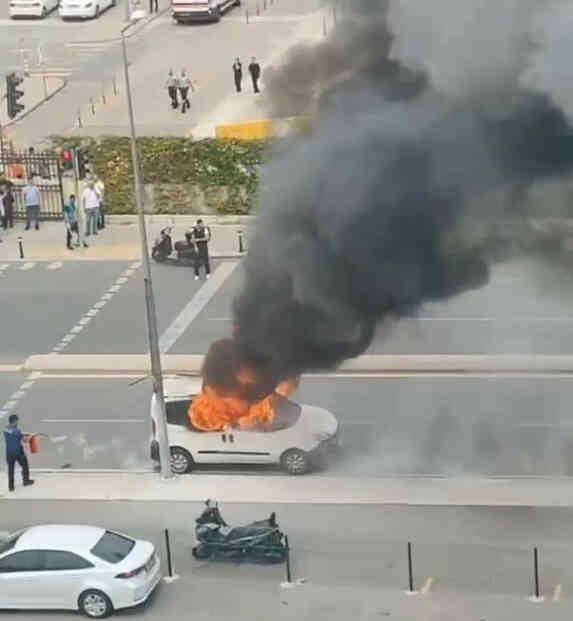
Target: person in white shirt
x: 90, y: 203
x: 31, y: 195
x: 184, y: 83
x: 100, y: 189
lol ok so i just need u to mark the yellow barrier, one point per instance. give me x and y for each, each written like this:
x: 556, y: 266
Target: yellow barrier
x: 260, y: 130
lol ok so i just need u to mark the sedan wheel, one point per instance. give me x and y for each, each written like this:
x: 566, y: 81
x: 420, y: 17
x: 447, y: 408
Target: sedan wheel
x: 181, y: 460
x: 295, y: 461
x: 95, y: 604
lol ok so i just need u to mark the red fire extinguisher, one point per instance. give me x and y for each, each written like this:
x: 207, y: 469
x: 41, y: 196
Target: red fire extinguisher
x: 34, y: 444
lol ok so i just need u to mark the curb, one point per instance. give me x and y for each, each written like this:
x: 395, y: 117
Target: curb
x: 182, y: 219
x: 367, y: 364
x: 418, y: 491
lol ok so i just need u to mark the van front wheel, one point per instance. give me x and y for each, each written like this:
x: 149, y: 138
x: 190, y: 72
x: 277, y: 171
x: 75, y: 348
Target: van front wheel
x: 181, y: 460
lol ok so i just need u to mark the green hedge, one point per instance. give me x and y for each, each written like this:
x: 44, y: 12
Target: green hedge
x: 225, y: 169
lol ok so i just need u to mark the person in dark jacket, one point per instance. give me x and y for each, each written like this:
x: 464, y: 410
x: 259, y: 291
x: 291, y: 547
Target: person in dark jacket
x: 15, y: 452
x: 7, y: 199
x: 201, y: 236
x: 255, y: 71
x: 238, y: 74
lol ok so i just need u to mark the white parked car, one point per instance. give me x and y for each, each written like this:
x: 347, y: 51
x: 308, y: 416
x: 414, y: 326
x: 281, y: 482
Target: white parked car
x: 189, y: 11
x: 84, y: 9
x: 300, y: 433
x: 32, y: 8
x: 85, y: 568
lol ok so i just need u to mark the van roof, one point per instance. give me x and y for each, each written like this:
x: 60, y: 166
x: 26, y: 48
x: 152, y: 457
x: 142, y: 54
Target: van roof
x: 181, y: 386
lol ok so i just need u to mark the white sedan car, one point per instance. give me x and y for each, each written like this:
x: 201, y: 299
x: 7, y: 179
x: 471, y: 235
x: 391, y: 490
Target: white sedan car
x: 32, y: 8
x: 85, y: 568
x: 84, y: 9
x: 299, y: 434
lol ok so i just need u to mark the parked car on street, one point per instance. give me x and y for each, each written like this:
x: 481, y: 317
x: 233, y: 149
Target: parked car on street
x: 84, y: 9
x: 200, y: 10
x: 299, y: 435
x: 85, y: 568
x: 32, y: 8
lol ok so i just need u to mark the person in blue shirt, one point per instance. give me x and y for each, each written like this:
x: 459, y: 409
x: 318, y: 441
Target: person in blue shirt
x: 31, y: 195
x: 15, y: 452
x: 71, y: 220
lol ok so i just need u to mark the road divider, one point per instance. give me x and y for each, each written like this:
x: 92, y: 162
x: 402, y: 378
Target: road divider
x: 70, y: 485
x: 368, y: 364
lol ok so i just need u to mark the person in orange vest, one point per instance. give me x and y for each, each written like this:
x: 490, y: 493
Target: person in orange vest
x: 14, y: 437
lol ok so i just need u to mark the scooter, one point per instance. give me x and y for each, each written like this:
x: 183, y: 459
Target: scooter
x: 259, y: 542
x: 185, y: 251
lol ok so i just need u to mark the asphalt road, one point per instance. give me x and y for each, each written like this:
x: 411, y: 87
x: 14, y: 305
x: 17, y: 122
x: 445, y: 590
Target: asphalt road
x: 363, y: 550
x: 447, y: 426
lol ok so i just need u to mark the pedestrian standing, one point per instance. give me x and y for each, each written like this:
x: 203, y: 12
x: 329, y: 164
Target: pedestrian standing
x: 15, y: 452
x: 238, y: 74
x: 71, y: 220
x: 171, y: 86
x: 184, y: 84
x: 31, y: 195
x: 255, y: 71
x: 100, y: 189
x: 8, y: 205
x: 90, y: 205
x: 153, y: 6
x: 201, y: 236
x: 1, y: 209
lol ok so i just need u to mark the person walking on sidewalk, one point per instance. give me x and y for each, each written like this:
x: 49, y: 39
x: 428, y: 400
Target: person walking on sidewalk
x: 15, y: 452
x: 153, y: 6
x: 100, y: 189
x: 171, y: 86
x: 90, y: 205
x: 71, y: 220
x: 7, y: 199
x: 238, y: 74
x: 201, y: 236
x: 255, y: 71
x: 31, y: 195
x: 184, y: 84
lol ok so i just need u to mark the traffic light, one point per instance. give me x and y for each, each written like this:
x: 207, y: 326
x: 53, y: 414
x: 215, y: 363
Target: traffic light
x: 13, y: 80
x: 68, y: 159
x: 84, y: 167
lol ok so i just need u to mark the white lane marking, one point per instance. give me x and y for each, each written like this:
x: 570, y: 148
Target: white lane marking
x: 27, y: 266
x: 427, y: 586
x: 9, y: 405
x: 76, y: 330
x: 55, y: 265
x: 100, y: 304
x: 10, y: 368
x: 128, y: 421
x: 68, y: 338
x: 18, y: 394
x: 195, y: 306
x: 92, y: 312
x: 136, y: 265
x: 105, y: 296
x: 114, y: 288
x: 27, y: 384
x: 84, y: 321
x: 557, y: 593
x: 121, y: 280
x: 4, y: 266
x: 219, y: 319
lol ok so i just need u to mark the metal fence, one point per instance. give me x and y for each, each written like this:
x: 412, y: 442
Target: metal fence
x: 45, y: 169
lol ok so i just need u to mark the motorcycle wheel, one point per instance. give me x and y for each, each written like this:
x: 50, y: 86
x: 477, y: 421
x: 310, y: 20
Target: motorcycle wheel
x: 200, y: 553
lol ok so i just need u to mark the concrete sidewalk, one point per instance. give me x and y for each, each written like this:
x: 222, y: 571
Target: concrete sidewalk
x: 120, y: 239
x: 422, y: 491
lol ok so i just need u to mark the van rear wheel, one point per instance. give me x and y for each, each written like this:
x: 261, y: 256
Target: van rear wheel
x: 181, y: 460
x: 295, y: 462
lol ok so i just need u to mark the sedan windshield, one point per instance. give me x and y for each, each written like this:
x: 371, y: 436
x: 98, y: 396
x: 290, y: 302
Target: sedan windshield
x: 6, y: 544
x: 112, y: 547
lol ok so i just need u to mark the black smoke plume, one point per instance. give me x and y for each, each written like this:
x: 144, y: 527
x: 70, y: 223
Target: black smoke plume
x: 361, y: 220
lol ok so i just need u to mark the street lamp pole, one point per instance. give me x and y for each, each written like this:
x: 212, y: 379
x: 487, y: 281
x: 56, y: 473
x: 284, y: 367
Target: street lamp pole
x: 164, y: 453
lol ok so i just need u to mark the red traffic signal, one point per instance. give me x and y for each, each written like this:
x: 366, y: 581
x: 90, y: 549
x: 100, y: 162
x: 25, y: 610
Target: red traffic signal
x: 68, y: 159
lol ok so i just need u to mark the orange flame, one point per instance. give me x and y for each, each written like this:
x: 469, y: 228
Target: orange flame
x: 211, y: 411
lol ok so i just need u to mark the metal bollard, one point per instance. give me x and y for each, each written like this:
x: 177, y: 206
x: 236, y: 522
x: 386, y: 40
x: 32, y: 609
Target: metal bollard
x: 258, y: 8
x: 264, y: 5
x: 92, y: 105
x: 536, y: 572
x: 79, y: 118
x: 334, y: 13
x: 247, y: 14
x: 410, y: 572
x: 21, y: 247
x: 324, y: 30
x: 241, y: 245
x: 168, y: 550
x: 288, y: 567
x: 114, y: 87
x: 103, y: 95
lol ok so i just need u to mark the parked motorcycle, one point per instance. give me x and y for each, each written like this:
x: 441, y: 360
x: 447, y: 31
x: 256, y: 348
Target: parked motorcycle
x: 259, y: 542
x: 185, y: 250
